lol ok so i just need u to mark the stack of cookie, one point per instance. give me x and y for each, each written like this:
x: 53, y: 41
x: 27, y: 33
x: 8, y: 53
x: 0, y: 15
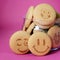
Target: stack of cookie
x: 41, y: 31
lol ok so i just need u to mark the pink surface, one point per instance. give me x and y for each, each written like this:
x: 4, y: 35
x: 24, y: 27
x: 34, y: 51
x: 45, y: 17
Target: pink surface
x: 12, y: 13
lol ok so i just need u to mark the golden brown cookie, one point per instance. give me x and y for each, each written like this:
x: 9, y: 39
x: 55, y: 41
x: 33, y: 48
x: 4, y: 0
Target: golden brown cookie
x: 19, y: 42
x: 54, y: 33
x: 45, y: 13
x: 29, y: 18
x: 39, y: 43
x: 29, y: 30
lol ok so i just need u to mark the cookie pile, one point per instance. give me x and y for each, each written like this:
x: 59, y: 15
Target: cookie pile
x: 41, y: 31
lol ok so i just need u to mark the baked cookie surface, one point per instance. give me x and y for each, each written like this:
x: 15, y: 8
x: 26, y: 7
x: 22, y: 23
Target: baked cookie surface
x: 54, y: 33
x: 19, y: 42
x: 39, y: 44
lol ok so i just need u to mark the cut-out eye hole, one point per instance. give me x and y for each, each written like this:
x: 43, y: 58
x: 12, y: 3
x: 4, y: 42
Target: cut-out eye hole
x: 48, y: 15
x: 18, y: 44
x: 18, y: 39
x: 48, y: 12
x: 25, y: 39
x: 43, y: 42
x: 38, y: 42
x: 41, y: 14
x: 25, y: 43
x: 43, y: 11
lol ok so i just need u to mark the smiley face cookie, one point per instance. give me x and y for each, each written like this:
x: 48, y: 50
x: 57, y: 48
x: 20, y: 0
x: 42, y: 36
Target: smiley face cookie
x: 19, y: 42
x: 29, y: 18
x: 54, y: 33
x: 45, y: 14
x: 39, y: 43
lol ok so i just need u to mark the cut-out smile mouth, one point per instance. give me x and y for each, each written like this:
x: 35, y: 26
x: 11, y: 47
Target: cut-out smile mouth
x: 40, y: 51
x: 22, y: 51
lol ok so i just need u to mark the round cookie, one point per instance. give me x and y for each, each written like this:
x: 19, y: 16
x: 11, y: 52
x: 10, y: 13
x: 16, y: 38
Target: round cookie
x: 39, y: 43
x: 54, y: 33
x: 19, y: 42
x: 45, y: 14
x: 29, y: 13
x: 29, y: 18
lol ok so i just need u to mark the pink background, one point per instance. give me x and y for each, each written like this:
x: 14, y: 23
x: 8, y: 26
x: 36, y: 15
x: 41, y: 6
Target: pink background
x: 12, y: 13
